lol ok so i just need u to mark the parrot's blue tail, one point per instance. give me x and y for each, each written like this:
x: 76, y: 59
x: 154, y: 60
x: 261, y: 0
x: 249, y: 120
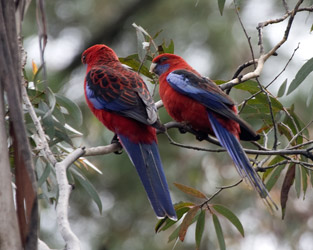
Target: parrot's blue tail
x: 146, y: 159
x: 241, y: 160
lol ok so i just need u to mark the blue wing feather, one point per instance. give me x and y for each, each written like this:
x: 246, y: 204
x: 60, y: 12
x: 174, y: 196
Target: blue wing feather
x: 199, y: 89
x: 146, y: 159
x: 100, y: 103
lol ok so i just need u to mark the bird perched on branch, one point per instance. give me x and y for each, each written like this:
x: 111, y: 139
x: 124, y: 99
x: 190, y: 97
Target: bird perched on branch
x: 119, y: 98
x: 200, y: 103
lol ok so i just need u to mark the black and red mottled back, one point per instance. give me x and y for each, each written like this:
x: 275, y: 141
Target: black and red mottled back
x: 113, y: 87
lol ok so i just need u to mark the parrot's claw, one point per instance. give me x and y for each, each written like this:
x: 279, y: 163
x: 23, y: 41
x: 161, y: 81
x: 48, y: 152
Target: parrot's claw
x: 116, y: 140
x: 182, y: 130
x: 201, y: 136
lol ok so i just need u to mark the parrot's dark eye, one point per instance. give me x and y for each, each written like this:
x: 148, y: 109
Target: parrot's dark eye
x: 84, y: 58
x: 163, y: 59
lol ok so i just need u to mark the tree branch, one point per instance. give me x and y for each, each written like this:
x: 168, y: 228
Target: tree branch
x: 69, y: 237
x: 72, y: 242
x: 263, y: 57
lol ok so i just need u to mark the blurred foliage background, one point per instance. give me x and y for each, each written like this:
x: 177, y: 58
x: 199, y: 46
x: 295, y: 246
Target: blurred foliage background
x: 215, y: 45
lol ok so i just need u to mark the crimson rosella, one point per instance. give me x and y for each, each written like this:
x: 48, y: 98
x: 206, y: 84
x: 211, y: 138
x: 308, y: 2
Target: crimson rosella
x: 119, y: 98
x: 200, y: 103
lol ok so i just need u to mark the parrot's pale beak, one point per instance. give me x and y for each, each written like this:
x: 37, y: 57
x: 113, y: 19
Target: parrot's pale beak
x: 152, y: 67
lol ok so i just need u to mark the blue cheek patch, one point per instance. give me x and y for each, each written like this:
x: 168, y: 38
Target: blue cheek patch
x: 161, y: 68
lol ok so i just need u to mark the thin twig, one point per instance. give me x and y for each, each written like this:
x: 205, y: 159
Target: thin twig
x: 42, y: 143
x: 192, y: 147
x: 220, y: 189
x: 43, y: 35
x: 246, y: 34
x: 243, y: 66
x: 297, y: 135
x: 285, y: 67
x: 285, y: 6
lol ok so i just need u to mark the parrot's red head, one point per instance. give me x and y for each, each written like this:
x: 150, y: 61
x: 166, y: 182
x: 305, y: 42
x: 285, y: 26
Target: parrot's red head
x: 166, y: 63
x: 99, y: 54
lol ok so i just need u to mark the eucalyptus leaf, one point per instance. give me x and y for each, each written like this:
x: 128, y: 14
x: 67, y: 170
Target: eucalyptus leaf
x: 200, y: 228
x: 166, y: 223
x: 219, y: 232
x: 288, y: 181
x: 188, y: 220
x: 89, y: 188
x: 44, y: 175
x: 73, y: 115
x: 191, y: 191
x: 274, y: 177
x: 298, y: 181
x: 304, y: 71
x: 221, y: 4
x: 282, y: 89
x: 230, y: 216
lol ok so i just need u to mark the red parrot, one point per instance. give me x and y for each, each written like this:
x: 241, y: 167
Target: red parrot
x: 119, y: 98
x: 198, y: 102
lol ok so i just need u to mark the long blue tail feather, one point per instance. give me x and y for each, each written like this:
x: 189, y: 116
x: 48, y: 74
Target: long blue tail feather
x: 146, y: 159
x: 241, y: 160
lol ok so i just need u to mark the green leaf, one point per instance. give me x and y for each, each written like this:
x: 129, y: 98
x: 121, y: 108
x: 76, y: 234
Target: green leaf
x: 48, y: 122
x: 166, y: 223
x: 174, y: 235
x: 286, y: 131
x: 74, y: 115
x: 257, y: 108
x: 59, y: 115
x: 304, y: 175
x: 168, y: 49
x: 140, y: 40
x: 181, y: 208
x: 288, y: 181
x: 88, y: 187
x: 275, y: 160
x: 134, y: 62
x: 298, y: 181
x: 60, y: 134
x: 188, y: 220
x: 231, y: 217
x: 310, y: 95
x: 304, y: 71
x: 191, y: 191
x: 251, y: 86
x: 274, y: 177
x: 51, y: 100
x: 282, y: 89
x: 295, y: 124
x: 182, y: 204
x: 200, y: 228
x: 219, y: 232
x: 221, y: 4
x: 44, y: 175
